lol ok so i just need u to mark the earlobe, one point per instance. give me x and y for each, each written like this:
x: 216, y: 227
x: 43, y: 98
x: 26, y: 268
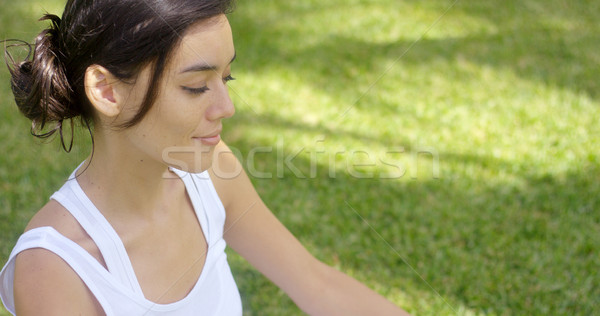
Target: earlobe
x: 101, y: 91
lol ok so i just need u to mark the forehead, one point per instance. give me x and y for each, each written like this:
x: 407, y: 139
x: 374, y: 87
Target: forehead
x: 206, y: 42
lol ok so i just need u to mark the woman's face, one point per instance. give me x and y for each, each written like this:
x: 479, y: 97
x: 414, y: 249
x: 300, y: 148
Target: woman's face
x: 184, y: 124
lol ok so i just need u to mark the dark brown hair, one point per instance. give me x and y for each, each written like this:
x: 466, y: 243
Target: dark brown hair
x: 122, y: 36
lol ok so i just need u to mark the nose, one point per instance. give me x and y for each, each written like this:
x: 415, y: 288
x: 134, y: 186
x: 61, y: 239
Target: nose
x: 222, y: 106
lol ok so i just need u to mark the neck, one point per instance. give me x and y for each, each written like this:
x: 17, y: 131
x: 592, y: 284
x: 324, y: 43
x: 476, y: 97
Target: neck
x: 124, y: 182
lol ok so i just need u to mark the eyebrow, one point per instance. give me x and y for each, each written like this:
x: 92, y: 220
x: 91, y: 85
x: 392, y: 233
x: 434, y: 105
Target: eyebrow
x: 205, y: 67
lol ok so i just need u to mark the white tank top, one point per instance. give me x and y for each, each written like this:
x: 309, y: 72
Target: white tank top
x: 117, y: 289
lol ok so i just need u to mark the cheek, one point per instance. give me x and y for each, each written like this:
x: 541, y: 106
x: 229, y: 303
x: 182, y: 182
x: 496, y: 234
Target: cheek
x: 175, y: 120
x: 183, y: 125
x: 166, y: 132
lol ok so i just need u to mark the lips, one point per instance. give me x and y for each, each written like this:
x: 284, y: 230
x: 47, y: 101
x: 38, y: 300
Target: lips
x: 211, y: 139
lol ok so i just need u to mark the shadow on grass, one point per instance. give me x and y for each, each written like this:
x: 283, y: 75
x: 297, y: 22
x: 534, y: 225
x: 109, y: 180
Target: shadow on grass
x: 524, y: 43
x: 320, y: 132
x: 493, y: 247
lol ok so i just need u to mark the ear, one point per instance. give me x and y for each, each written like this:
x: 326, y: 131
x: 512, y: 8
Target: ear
x: 101, y: 90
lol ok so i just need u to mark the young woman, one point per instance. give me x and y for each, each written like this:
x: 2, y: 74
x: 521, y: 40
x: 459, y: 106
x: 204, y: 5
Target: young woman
x: 141, y: 225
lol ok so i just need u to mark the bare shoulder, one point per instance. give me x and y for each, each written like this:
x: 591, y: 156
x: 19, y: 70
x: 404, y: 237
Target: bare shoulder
x: 55, y: 215
x: 38, y: 271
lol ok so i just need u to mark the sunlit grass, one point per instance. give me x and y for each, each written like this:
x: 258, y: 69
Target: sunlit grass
x: 503, y: 94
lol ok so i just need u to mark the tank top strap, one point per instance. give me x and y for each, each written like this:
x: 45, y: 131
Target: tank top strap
x: 194, y: 193
x: 91, y: 272
x: 72, y: 197
x: 116, y: 288
x: 209, y: 204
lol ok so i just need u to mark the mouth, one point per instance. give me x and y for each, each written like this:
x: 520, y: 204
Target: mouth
x: 211, y: 139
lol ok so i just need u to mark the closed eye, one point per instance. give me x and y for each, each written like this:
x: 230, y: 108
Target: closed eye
x: 195, y: 90
x: 205, y: 88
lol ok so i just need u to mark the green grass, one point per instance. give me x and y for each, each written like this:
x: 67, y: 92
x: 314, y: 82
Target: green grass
x: 504, y: 93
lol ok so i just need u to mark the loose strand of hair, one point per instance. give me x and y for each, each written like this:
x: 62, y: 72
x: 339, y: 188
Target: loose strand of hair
x: 8, y: 56
x: 62, y: 139
x: 89, y: 128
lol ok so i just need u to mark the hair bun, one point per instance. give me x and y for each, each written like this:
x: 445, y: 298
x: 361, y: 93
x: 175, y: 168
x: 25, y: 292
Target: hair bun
x: 41, y: 88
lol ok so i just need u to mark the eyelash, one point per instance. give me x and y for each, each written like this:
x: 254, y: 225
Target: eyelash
x: 228, y: 78
x: 195, y: 90
x: 205, y: 88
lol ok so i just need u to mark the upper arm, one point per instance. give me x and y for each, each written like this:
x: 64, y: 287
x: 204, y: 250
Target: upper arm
x: 253, y: 231
x: 256, y: 234
x: 45, y: 284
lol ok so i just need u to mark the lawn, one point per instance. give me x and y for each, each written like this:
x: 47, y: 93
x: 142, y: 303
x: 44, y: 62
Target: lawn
x: 445, y: 153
